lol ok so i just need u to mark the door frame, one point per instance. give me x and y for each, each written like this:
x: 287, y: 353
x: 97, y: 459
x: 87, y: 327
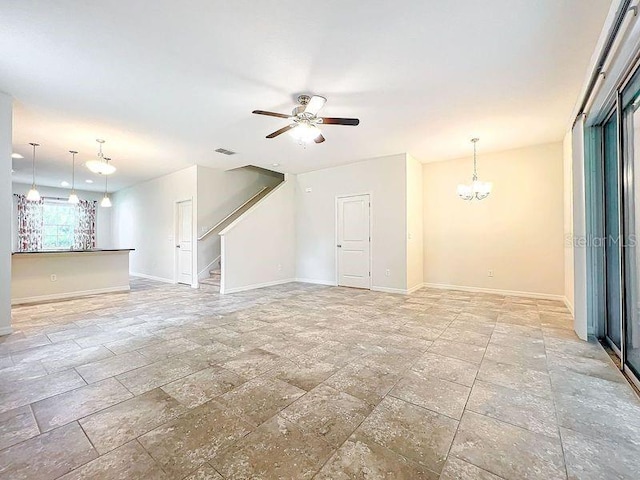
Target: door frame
x: 335, y: 236
x: 194, y: 245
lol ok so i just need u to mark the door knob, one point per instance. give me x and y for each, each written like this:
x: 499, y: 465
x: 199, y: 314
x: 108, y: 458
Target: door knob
x: 177, y: 246
x: 339, y: 246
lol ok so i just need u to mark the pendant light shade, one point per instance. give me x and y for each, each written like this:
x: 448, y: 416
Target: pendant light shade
x: 73, y: 198
x: 100, y: 165
x: 476, y: 190
x: 34, y: 195
x: 106, y: 201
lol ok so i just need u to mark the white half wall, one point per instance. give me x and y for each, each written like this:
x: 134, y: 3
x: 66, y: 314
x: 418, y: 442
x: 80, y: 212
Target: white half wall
x: 384, y: 178
x: 144, y: 218
x: 104, y: 238
x: 415, y: 220
x: 6, y: 108
x: 258, y: 249
x: 516, y: 233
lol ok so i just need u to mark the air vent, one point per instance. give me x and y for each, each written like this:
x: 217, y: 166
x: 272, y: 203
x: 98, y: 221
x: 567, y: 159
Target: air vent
x: 224, y: 151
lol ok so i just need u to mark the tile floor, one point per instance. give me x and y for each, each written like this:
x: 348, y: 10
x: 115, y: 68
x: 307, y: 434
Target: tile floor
x: 302, y: 381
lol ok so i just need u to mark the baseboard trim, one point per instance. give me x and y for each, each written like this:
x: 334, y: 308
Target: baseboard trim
x: 415, y: 288
x: 509, y: 293
x: 255, y: 286
x: 151, y: 277
x: 204, y: 273
x: 400, y: 291
x: 316, y: 282
x: 568, y: 305
x: 68, y: 295
x: 6, y: 331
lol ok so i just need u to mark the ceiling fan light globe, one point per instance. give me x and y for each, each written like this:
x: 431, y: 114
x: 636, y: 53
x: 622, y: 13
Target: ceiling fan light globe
x: 305, y: 132
x: 101, y: 167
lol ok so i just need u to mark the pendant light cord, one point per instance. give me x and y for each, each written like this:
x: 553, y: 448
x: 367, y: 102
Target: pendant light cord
x: 33, y: 163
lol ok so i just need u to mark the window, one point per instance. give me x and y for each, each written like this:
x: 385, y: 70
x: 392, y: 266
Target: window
x: 59, y: 220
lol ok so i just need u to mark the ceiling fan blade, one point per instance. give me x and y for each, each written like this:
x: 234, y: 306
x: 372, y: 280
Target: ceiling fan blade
x: 281, y: 131
x: 340, y: 121
x: 271, y: 114
x: 319, y: 139
x: 315, y: 104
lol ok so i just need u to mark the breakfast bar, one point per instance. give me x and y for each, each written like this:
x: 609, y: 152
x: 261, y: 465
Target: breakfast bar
x: 56, y: 274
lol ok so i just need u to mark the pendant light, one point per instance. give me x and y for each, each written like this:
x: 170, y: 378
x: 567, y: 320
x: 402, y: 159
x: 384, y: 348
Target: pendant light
x: 100, y: 166
x: 477, y: 189
x: 34, y: 195
x: 73, y: 198
x: 106, y: 201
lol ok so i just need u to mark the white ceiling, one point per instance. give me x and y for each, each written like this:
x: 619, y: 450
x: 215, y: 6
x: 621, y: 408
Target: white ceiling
x: 166, y: 82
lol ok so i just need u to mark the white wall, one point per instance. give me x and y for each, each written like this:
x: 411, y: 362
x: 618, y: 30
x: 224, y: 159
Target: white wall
x: 104, y: 237
x: 258, y: 249
x: 5, y: 212
x: 220, y: 193
x: 144, y: 218
x: 415, y: 220
x: 517, y: 231
x: 385, y: 179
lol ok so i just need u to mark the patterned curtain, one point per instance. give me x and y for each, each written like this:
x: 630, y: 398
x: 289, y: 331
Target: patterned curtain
x: 84, y: 237
x: 29, y: 224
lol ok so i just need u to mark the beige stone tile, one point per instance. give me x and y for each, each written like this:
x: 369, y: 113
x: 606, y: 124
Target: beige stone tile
x: 328, y: 413
x: 253, y: 362
x: 34, y: 389
x: 73, y: 333
x: 594, y: 367
x: 125, y: 421
x: 67, y: 407
x: 520, y: 355
x: 415, y: 433
x: 458, y: 334
x: 47, y: 456
x: 130, y: 344
x: 459, y: 350
x: 277, y: 449
x: 202, y: 386
x: 44, y: 352
x: 17, y: 425
x: 157, y: 374
x: 361, y: 458
x: 260, y: 398
x: 189, y: 441
x: 599, y: 457
x: 102, y: 338
x: 19, y: 373
x: 206, y: 472
x: 168, y: 348
x: 111, y: 366
x: 18, y: 341
x: 129, y: 461
x: 456, y: 469
x: 57, y: 363
x: 446, y: 368
x: 304, y: 372
x: 515, y: 377
x: 365, y: 381
x: 5, y: 361
x: 507, y: 450
x: 433, y: 393
x: 514, y: 406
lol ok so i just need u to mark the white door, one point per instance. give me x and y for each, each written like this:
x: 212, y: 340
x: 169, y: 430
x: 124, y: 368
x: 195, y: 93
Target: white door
x: 354, y: 242
x: 184, y: 242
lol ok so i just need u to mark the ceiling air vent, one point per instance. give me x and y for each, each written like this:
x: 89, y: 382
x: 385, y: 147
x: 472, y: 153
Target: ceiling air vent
x: 224, y: 151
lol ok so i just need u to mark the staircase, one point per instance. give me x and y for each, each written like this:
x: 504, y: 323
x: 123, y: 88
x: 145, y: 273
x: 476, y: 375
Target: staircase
x: 213, y: 280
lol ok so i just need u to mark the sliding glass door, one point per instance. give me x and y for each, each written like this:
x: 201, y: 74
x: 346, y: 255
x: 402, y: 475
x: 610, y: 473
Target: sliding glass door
x: 612, y: 245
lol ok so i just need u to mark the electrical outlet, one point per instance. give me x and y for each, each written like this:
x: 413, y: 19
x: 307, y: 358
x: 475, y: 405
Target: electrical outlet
x: 490, y: 273
x: 54, y: 277
x: 387, y: 273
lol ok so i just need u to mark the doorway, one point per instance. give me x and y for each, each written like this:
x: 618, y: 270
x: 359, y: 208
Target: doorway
x: 354, y: 241
x: 184, y: 243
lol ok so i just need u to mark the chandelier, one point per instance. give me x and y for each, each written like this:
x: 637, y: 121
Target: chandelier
x: 100, y: 166
x: 477, y: 189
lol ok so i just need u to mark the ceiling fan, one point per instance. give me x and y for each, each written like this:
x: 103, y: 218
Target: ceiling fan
x: 305, y: 120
